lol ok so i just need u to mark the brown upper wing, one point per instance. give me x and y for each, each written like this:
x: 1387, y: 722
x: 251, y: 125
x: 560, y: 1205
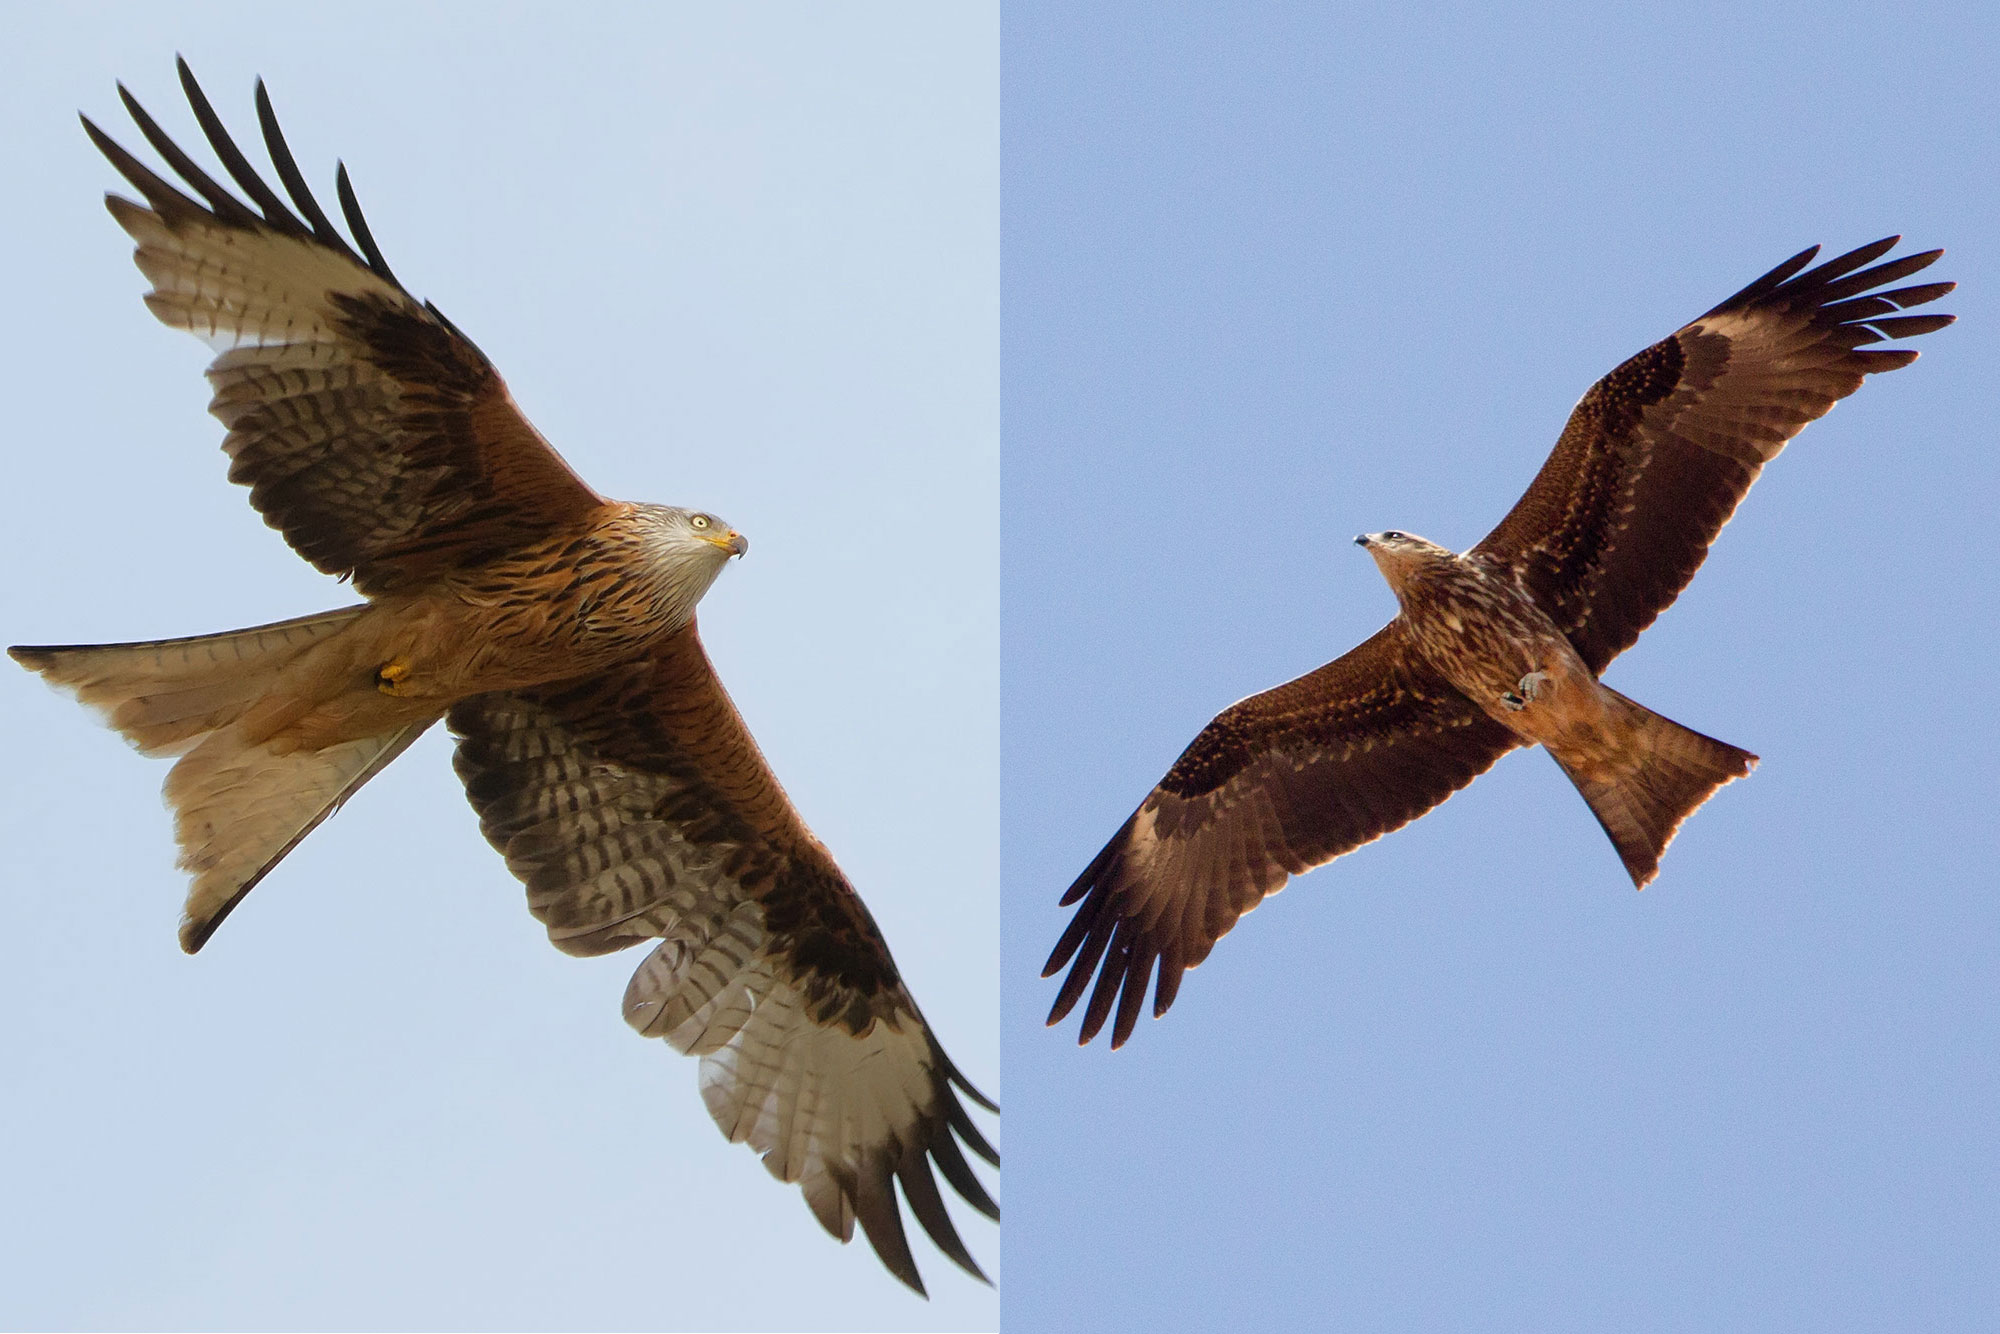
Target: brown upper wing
x: 635, y: 806
x: 370, y: 431
x: 1274, y: 786
x: 1656, y: 456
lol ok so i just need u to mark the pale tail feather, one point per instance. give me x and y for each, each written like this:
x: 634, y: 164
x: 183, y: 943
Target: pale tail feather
x: 1670, y: 772
x: 165, y: 695
x: 239, y: 806
x: 238, y: 809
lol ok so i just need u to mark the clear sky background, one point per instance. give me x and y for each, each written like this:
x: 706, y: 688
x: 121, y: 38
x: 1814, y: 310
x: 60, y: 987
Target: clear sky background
x: 741, y: 258
x: 1279, y: 274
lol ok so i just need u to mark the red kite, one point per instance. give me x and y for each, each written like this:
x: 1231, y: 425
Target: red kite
x: 555, y: 630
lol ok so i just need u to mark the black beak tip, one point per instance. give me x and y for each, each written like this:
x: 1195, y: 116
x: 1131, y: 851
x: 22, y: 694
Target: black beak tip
x: 1361, y: 541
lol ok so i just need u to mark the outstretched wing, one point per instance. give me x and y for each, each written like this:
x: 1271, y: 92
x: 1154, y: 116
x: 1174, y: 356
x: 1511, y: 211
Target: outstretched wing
x: 370, y: 431
x: 1274, y: 786
x: 1657, y: 455
x: 635, y: 807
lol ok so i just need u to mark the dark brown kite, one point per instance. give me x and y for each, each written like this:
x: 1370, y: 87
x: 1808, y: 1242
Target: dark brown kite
x: 555, y: 631
x: 1499, y: 647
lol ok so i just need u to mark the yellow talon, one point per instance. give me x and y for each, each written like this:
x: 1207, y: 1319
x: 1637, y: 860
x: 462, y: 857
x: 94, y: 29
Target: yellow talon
x: 390, y: 676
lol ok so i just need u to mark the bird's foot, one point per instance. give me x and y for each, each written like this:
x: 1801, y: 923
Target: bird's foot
x: 1529, y: 689
x: 390, y: 676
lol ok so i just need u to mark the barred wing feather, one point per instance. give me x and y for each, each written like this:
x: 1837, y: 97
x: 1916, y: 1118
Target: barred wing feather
x: 371, y: 432
x: 635, y: 807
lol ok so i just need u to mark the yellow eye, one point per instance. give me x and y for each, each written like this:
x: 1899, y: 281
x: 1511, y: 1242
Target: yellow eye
x: 699, y: 521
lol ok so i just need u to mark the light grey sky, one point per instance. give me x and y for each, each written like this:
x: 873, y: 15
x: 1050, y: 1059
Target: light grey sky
x: 742, y: 258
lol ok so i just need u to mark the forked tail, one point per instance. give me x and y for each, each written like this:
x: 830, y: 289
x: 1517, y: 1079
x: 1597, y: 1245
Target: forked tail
x: 240, y: 802
x: 239, y: 807
x: 1659, y: 779
x: 165, y: 695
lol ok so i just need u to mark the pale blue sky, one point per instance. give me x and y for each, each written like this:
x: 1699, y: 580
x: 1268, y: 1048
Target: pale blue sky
x: 1279, y: 274
x: 742, y: 258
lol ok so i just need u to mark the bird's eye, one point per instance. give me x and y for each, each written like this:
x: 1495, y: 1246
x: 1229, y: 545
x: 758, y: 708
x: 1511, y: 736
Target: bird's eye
x: 1392, y: 536
x: 699, y: 521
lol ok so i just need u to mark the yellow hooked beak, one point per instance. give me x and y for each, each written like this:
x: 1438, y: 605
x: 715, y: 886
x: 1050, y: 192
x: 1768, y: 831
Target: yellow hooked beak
x: 732, y: 542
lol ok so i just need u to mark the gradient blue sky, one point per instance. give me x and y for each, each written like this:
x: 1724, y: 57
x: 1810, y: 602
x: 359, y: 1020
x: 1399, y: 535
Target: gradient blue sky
x: 743, y: 258
x: 1278, y: 274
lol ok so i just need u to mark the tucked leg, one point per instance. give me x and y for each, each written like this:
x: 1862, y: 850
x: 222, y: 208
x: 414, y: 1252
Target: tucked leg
x: 390, y: 676
x: 1529, y: 689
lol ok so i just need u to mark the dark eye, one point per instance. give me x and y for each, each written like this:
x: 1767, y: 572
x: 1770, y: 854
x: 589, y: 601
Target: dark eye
x: 698, y: 521
x: 1392, y: 536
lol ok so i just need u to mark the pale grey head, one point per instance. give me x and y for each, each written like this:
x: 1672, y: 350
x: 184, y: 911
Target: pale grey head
x: 684, y: 550
x: 1400, y: 555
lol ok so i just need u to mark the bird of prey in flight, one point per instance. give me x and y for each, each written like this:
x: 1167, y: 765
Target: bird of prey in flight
x: 555, y: 631
x: 1501, y: 646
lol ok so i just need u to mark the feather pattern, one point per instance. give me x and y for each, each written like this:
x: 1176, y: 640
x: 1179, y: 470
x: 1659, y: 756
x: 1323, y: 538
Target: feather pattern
x: 635, y: 806
x: 371, y: 432
x: 1657, y: 455
x: 1277, y: 784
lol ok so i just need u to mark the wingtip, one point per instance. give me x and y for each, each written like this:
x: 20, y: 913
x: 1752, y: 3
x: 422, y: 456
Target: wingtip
x: 979, y: 1099
x: 1060, y: 1011
x: 267, y: 114
x: 190, y: 86
x: 103, y: 142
